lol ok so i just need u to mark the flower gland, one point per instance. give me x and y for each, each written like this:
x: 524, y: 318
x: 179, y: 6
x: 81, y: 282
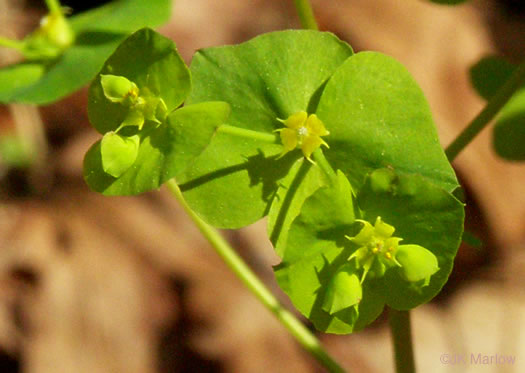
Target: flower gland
x: 302, y: 131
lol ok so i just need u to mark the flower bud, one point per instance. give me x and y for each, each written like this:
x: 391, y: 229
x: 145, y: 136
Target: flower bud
x: 417, y: 263
x: 343, y: 291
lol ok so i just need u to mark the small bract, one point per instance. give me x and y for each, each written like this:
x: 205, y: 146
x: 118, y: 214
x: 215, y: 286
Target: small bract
x: 343, y: 291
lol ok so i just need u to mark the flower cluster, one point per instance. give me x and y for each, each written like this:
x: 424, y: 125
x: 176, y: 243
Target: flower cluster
x: 377, y: 252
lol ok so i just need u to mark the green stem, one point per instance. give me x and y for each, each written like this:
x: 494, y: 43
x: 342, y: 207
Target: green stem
x: 250, y: 280
x: 402, y: 339
x: 306, y: 15
x: 495, y: 104
x: 249, y: 134
x: 54, y: 6
x: 11, y: 43
x: 323, y: 164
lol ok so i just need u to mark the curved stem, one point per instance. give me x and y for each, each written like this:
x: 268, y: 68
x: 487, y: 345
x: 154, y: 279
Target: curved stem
x: 249, y: 134
x: 324, y: 165
x: 306, y: 15
x: 250, y: 280
x: 495, y: 104
x: 402, y: 339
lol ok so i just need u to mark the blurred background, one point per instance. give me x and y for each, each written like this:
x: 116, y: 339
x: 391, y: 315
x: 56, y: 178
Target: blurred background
x: 96, y: 284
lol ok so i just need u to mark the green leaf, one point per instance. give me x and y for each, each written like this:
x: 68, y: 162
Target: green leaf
x: 316, y: 250
x: 272, y: 76
x: 378, y: 117
x: 509, y: 131
x: 118, y: 153
x: 72, y: 70
x: 164, y: 151
x: 15, y: 77
x: 123, y: 16
x: 422, y: 214
x: 149, y: 60
x: 98, y: 33
x: 489, y: 74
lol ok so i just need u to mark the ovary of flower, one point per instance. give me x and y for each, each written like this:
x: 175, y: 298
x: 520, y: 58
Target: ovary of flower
x: 303, y: 131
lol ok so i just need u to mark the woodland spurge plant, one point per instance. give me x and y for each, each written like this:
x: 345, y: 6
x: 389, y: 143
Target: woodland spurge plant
x: 338, y: 149
x: 323, y: 144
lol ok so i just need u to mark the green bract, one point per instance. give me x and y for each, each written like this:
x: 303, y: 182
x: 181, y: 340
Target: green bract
x: 424, y: 214
x: 65, y: 54
x: 343, y: 291
x: 374, y: 111
x: 268, y: 78
x: 132, y: 101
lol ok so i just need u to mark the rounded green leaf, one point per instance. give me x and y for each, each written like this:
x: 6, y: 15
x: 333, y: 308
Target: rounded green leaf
x: 269, y: 77
x: 316, y: 251
x: 118, y: 153
x: 378, y: 117
x: 423, y: 214
x: 150, y: 61
x: 164, y: 150
x: 509, y: 131
x: 489, y: 74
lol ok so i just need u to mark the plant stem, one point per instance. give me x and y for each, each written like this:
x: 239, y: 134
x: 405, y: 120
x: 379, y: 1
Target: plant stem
x: 249, y: 134
x: 402, y: 339
x: 502, y: 96
x: 250, y: 280
x: 306, y: 15
x: 323, y: 164
x: 54, y: 6
x: 11, y: 43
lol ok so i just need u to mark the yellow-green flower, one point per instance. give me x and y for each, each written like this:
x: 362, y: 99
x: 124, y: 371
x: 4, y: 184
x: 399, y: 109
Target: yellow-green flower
x: 303, y: 131
x: 379, y: 250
